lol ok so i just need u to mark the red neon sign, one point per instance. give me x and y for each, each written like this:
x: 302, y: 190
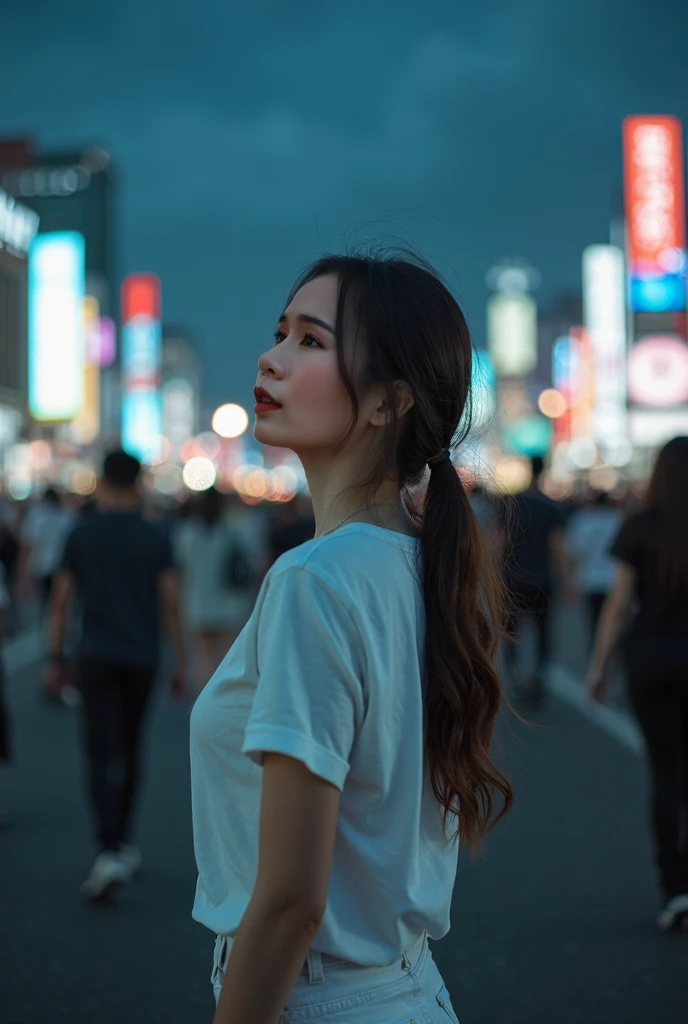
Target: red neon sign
x: 141, y: 297
x: 654, y: 191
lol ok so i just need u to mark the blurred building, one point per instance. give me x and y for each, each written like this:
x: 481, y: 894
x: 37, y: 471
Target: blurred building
x: 18, y: 225
x: 70, y: 191
x: 180, y: 380
x: 553, y: 323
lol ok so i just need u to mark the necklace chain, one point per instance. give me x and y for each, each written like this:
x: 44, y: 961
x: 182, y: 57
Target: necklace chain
x: 350, y: 516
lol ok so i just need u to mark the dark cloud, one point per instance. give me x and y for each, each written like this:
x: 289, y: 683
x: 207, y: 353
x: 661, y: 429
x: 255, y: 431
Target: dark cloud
x: 249, y: 138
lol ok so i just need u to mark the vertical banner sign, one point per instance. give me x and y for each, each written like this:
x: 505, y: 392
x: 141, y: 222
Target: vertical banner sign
x: 604, y: 305
x: 583, y: 384
x: 57, y: 276
x: 566, y: 376
x: 655, y: 213
x: 512, y: 334
x: 141, y: 355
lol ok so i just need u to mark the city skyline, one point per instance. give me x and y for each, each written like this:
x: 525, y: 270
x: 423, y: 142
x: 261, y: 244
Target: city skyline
x: 246, y: 144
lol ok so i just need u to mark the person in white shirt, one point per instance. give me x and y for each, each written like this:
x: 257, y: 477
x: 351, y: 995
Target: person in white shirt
x: 342, y: 748
x: 44, y: 534
x: 590, y: 532
x: 219, y: 561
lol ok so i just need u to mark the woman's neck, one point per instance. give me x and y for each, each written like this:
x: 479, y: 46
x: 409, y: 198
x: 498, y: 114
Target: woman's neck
x: 335, y: 497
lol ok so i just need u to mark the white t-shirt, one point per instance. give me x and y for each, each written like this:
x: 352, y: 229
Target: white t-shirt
x: 329, y: 670
x: 46, y: 529
x: 590, y: 533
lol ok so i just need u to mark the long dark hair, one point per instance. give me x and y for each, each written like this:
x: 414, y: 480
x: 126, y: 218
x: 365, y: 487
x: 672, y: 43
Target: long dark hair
x: 667, y: 497
x: 412, y: 331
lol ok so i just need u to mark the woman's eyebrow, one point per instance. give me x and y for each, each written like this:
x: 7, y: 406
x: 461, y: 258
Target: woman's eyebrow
x: 305, y: 318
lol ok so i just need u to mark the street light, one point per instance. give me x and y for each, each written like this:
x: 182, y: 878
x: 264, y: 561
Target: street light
x: 230, y: 420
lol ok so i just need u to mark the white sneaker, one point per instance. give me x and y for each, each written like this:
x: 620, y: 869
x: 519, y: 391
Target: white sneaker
x: 674, y: 915
x: 131, y: 856
x: 108, y: 872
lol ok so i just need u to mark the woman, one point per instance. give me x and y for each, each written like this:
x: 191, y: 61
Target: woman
x: 589, y: 534
x: 364, y: 683
x: 652, y: 581
x: 216, y: 605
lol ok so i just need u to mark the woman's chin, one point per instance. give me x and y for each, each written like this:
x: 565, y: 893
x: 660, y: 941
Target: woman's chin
x: 265, y: 434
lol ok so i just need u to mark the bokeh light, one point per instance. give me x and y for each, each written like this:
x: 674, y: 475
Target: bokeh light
x: 167, y: 480
x: 230, y: 420
x: 83, y: 482
x: 552, y: 403
x: 199, y: 473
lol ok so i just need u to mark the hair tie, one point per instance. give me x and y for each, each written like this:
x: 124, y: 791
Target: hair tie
x: 444, y: 456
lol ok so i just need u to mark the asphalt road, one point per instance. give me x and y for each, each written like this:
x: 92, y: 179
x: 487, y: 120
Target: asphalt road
x: 555, y: 925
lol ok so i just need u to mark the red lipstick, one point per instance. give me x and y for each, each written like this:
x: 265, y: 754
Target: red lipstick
x: 264, y: 401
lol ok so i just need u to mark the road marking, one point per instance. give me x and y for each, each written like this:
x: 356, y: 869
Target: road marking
x: 616, y: 722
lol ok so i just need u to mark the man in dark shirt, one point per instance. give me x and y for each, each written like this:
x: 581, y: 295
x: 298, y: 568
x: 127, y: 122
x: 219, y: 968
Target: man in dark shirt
x: 120, y: 568
x: 533, y: 538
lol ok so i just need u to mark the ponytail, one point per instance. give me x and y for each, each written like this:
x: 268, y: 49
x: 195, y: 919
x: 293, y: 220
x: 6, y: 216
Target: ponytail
x: 464, y: 610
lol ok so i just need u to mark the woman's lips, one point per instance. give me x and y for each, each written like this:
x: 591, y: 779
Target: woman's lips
x: 260, y: 407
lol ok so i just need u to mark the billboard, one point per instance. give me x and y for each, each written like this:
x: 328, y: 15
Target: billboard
x: 655, y: 213
x: 56, y: 325
x: 141, y: 357
x: 604, y: 312
x: 512, y: 333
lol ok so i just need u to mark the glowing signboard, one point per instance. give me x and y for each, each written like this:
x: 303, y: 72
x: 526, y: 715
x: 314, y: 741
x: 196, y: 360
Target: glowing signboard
x: 512, y: 333
x: 604, y: 304
x: 141, y: 355
x: 655, y: 212
x: 56, y: 325
x: 658, y: 371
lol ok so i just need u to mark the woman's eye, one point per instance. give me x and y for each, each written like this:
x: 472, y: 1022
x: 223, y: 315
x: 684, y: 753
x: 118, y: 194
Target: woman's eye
x: 279, y: 336
x: 309, y: 338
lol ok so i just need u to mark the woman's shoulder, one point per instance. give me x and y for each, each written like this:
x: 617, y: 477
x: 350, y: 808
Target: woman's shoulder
x: 350, y: 555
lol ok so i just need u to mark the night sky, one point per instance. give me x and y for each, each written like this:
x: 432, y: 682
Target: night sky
x: 249, y: 137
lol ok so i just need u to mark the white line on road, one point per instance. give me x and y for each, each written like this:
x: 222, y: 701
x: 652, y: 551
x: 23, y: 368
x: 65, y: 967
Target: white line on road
x: 614, y: 721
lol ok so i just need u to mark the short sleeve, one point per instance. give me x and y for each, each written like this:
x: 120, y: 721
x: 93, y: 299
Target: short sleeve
x: 625, y: 546
x: 308, y: 702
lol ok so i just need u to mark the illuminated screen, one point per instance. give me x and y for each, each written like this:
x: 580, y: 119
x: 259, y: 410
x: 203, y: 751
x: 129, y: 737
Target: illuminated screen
x: 141, y: 355
x: 56, y: 325
x: 655, y: 211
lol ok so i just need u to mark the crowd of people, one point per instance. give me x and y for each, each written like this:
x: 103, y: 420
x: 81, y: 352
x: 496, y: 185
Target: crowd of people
x: 103, y: 575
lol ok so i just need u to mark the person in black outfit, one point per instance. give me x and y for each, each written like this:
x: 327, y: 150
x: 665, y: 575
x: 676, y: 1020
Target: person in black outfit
x: 532, y: 538
x: 121, y: 569
x: 650, y: 599
x: 293, y: 524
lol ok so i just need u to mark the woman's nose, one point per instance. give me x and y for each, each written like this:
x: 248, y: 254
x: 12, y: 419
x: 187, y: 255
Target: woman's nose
x: 269, y: 364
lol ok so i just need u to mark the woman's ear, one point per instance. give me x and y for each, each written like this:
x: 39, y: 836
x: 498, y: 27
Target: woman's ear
x: 403, y: 396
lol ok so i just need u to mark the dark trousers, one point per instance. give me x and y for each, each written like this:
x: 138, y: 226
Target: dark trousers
x: 4, y: 716
x: 533, y: 604
x: 657, y: 673
x: 115, y: 698
x: 594, y: 603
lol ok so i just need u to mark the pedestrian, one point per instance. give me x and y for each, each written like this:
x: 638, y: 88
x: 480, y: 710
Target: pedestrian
x: 292, y: 524
x: 44, y: 532
x: 364, y: 684
x: 120, y: 568
x: 589, y: 535
x: 533, y: 545
x: 4, y: 712
x: 647, y: 610
x: 218, y: 571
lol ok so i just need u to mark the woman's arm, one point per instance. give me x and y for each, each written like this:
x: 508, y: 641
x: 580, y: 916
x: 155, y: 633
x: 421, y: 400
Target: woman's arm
x: 615, y: 612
